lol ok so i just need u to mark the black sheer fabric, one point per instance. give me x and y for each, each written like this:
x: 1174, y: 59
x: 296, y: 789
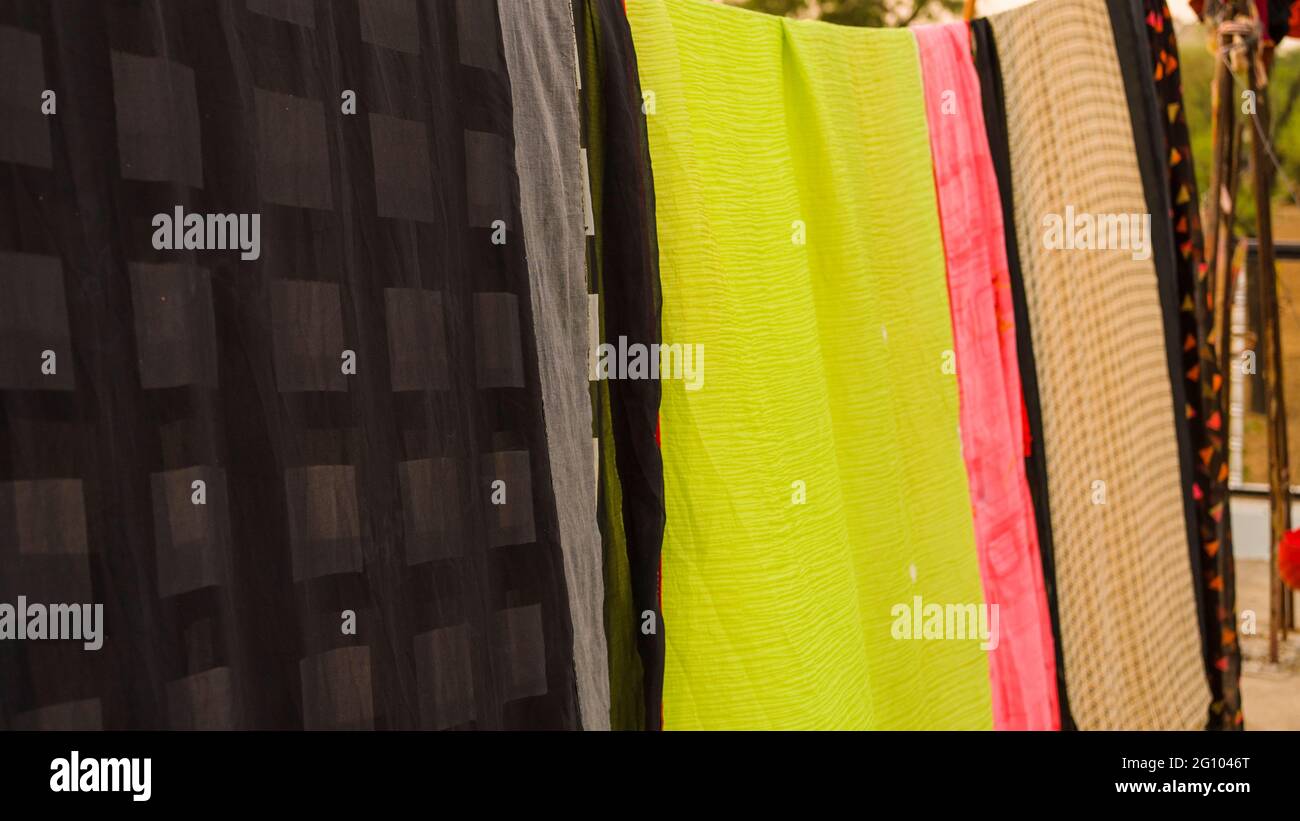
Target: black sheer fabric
x: 1202, y: 381
x: 624, y: 261
x: 311, y: 488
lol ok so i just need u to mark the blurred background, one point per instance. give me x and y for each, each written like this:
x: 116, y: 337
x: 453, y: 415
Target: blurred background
x: 1270, y: 693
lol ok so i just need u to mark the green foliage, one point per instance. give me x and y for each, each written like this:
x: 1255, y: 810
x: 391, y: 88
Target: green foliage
x: 1197, y: 69
x: 1284, y: 96
x: 856, y: 12
x: 1198, y: 65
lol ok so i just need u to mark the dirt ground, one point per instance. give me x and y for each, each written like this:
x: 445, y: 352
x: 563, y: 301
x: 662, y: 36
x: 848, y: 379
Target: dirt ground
x: 1270, y: 694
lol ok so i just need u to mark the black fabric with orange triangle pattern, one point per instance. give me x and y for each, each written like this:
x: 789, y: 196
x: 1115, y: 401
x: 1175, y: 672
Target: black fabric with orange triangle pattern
x: 1202, y: 381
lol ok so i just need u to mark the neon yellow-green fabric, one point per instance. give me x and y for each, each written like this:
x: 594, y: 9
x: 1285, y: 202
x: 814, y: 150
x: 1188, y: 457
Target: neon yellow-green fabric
x: 814, y: 481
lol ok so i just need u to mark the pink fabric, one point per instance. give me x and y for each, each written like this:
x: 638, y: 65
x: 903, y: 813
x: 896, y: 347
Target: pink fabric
x: 1022, y: 668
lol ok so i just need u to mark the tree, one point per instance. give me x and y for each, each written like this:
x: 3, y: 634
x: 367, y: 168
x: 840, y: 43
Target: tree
x: 857, y: 12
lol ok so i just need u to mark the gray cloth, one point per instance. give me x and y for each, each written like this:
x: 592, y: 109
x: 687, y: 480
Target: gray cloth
x: 541, y: 56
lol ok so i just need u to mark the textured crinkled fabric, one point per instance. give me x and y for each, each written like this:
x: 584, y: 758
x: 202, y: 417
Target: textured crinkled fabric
x: 816, y: 496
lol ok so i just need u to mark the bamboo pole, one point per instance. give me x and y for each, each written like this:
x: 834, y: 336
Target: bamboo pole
x: 1224, y: 279
x: 1221, y: 127
x: 1278, y: 471
x: 1219, y: 216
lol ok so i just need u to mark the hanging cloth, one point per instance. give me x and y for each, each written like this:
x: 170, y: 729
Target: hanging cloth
x: 1197, y: 370
x: 816, y: 496
x: 1022, y: 666
x: 1128, y: 617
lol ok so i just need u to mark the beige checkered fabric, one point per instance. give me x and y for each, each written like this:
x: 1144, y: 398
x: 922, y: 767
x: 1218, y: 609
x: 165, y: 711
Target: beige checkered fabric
x: 1128, y: 621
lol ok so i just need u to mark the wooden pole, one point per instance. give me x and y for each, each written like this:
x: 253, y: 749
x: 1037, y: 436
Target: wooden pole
x: 968, y: 11
x: 1220, y: 130
x: 1219, y: 216
x: 1279, y: 480
x: 1225, y: 248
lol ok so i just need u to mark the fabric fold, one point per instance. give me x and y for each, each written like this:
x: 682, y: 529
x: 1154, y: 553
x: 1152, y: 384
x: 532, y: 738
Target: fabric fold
x: 624, y: 274
x: 1022, y: 665
x: 1148, y: 133
x: 988, y: 66
x: 1198, y: 370
x: 541, y: 58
